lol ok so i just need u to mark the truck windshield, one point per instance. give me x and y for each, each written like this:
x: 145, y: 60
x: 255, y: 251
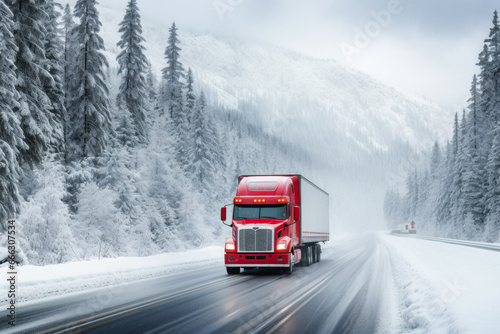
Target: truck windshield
x: 242, y: 212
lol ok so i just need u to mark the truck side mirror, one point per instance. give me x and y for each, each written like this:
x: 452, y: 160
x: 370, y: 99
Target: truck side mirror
x: 296, y: 212
x: 223, y: 214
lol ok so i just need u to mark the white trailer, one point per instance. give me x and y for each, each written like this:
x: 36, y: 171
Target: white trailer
x: 314, y: 224
x: 314, y: 213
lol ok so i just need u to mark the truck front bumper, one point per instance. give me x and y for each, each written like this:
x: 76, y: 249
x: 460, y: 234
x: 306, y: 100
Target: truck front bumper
x: 257, y: 260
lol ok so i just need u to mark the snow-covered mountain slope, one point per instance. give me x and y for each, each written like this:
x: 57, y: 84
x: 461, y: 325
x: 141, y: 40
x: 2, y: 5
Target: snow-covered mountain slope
x: 358, y: 130
x: 345, y: 99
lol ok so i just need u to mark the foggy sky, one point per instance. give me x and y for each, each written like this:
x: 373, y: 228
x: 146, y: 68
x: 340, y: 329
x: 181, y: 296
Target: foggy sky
x: 424, y: 47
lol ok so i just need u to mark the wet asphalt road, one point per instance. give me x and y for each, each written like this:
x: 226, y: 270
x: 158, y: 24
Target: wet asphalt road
x: 343, y: 293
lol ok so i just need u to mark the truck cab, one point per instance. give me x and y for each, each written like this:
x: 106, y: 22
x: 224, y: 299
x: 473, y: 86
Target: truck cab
x: 278, y: 221
x: 265, y: 223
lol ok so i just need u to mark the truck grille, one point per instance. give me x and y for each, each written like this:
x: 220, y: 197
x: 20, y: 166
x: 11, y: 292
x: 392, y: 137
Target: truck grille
x: 255, y: 239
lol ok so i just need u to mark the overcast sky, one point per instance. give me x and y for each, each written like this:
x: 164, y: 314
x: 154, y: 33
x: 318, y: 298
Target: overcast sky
x: 424, y: 47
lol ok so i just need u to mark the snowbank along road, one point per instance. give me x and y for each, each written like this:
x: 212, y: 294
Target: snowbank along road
x: 369, y: 283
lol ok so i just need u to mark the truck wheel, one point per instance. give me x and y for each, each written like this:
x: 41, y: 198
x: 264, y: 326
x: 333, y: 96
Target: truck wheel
x: 289, y: 270
x: 314, y: 254
x: 303, y: 260
x: 318, y: 253
x: 307, y: 256
x: 233, y: 270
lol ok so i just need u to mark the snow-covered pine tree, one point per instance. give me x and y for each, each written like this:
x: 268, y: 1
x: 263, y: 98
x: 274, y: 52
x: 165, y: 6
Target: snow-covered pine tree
x: 443, y: 207
x: 455, y: 140
x: 423, y: 197
x: 69, y: 50
x: 55, y: 66
x: 475, y: 122
x: 485, y: 90
x: 456, y: 171
x: 493, y: 67
x: 190, y: 95
x: 435, y: 161
x: 202, y: 155
x: 11, y: 135
x: 125, y: 129
x: 216, y: 149
x: 492, y: 226
x: 164, y: 183
x: 466, y: 197
x: 489, y: 82
x: 186, y: 128
x: 435, y: 176
x: 90, y: 121
x: 172, y: 74
x: 42, y: 131
x: 473, y: 163
x: 133, y: 94
x: 151, y: 84
x: 491, y: 103
x: 119, y: 172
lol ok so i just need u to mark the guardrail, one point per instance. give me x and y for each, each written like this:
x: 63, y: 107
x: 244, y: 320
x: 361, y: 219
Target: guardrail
x: 482, y: 245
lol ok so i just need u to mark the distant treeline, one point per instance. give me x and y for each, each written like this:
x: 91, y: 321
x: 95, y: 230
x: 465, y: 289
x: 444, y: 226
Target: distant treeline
x: 458, y: 195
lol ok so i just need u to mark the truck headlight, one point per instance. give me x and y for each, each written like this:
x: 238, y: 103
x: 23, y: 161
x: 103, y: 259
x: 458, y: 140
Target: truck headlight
x: 230, y: 246
x: 281, y: 247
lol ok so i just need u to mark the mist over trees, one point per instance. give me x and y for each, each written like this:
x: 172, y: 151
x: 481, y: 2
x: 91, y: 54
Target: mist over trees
x: 458, y: 195
x: 92, y: 172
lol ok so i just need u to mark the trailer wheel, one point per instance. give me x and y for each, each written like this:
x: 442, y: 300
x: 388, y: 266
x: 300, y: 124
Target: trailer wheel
x: 233, y: 270
x: 308, y: 258
x: 318, y: 252
x: 305, y: 257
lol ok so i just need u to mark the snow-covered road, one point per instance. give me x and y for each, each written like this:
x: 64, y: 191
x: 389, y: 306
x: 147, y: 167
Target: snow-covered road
x: 365, y: 283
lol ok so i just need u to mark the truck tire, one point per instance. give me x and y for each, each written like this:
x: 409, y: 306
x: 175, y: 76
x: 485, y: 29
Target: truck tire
x: 307, y: 256
x: 289, y: 270
x: 303, y: 260
x: 318, y: 252
x: 233, y: 270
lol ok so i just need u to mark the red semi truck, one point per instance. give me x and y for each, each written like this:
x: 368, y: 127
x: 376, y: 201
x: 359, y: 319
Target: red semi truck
x: 278, y: 221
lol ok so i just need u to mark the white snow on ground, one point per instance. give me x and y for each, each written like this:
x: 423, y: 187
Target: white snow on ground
x: 445, y: 288
x: 390, y: 319
x: 39, y: 282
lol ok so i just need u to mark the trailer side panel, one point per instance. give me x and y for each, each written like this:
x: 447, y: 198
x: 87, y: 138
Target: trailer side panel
x: 314, y: 212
